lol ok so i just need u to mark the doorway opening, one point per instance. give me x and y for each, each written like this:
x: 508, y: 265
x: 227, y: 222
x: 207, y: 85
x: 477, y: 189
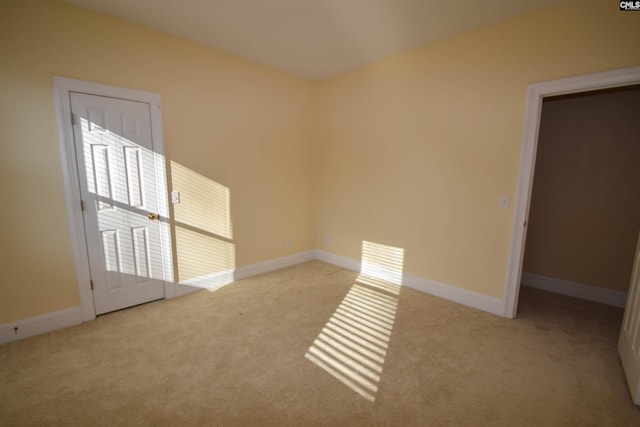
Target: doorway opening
x: 629, y: 338
x: 584, y: 213
x: 536, y: 93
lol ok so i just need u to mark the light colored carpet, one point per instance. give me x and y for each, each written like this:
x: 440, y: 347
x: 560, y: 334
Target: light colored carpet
x: 243, y: 356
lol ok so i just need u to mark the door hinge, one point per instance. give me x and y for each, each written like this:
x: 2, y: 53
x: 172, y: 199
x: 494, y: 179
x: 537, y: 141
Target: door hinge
x: 73, y: 120
x: 82, y: 205
x: 91, y: 283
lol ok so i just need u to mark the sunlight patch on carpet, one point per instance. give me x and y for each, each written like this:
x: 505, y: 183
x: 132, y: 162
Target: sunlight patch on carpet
x: 353, y: 344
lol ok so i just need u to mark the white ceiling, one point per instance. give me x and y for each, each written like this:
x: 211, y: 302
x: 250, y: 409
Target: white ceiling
x: 314, y: 38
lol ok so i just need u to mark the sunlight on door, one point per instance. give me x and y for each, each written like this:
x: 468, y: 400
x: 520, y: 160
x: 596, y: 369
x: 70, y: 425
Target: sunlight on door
x: 353, y: 344
x: 124, y: 180
x: 121, y: 174
x: 122, y: 177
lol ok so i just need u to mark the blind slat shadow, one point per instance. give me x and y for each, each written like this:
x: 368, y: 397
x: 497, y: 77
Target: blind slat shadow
x: 353, y: 343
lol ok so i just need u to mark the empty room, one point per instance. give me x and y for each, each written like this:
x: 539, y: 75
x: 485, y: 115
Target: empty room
x: 320, y: 212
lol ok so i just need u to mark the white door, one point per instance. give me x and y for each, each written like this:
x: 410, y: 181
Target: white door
x: 116, y: 168
x: 629, y: 342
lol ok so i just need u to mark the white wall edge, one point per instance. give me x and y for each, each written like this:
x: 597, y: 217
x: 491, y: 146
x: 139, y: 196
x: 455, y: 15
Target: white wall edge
x: 272, y: 265
x: 577, y: 290
x: 61, y: 89
x: 441, y: 290
x: 41, y: 324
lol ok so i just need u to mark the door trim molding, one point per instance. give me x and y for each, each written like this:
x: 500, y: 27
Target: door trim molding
x: 535, y: 94
x: 61, y: 89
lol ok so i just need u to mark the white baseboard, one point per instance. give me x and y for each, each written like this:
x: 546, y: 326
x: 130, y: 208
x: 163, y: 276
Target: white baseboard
x: 40, y: 324
x: 72, y: 316
x: 453, y: 293
x: 181, y: 290
x: 339, y: 260
x: 272, y: 265
x: 573, y: 289
x: 432, y: 287
x: 210, y: 282
x: 215, y: 281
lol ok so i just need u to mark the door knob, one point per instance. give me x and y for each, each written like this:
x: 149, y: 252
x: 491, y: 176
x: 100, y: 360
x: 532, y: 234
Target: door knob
x: 152, y: 216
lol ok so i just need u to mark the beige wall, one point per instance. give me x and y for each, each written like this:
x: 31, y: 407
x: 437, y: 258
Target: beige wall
x: 418, y: 148
x: 241, y: 125
x: 585, y: 206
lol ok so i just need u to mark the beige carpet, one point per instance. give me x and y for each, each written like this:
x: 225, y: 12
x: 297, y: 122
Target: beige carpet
x: 263, y: 351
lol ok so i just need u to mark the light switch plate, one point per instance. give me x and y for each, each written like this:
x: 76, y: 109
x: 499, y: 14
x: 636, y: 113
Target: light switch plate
x: 504, y: 202
x: 175, y: 197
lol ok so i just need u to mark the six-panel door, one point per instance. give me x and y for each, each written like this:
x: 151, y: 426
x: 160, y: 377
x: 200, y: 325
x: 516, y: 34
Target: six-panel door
x: 114, y: 147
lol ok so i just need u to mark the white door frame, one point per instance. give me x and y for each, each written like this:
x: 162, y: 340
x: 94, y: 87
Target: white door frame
x: 61, y: 90
x: 535, y: 94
